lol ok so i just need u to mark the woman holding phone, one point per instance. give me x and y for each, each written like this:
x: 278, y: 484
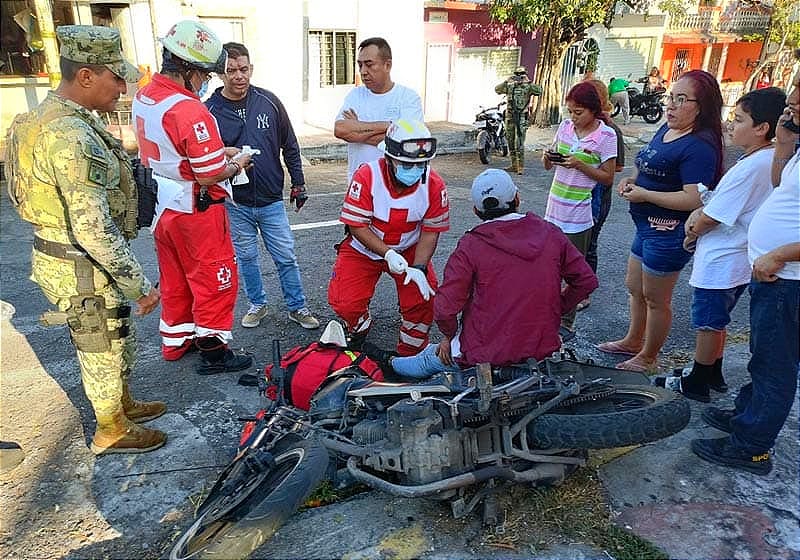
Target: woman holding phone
x: 583, y: 153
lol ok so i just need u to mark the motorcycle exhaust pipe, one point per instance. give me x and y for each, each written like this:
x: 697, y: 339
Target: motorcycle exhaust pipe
x: 555, y: 472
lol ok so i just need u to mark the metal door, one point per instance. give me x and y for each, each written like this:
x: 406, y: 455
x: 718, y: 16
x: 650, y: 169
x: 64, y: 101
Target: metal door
x: 682, y: 64
x: 437, y: 82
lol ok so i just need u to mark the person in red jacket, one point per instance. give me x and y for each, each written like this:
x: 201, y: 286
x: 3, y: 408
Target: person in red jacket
x: 501, y: 299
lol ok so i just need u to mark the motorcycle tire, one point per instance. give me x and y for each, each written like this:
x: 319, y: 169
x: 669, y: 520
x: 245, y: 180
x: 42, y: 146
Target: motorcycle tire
x: 634, y: 414
x: 484, y: 147
x: 616, y: 110
x: 299, y: 468
x: 652, y: 113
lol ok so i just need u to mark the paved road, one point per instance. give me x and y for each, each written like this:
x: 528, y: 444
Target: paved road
x: 62, y: 501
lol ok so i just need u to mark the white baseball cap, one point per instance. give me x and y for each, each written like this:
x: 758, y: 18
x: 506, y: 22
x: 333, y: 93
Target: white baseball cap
x: 493, y: 184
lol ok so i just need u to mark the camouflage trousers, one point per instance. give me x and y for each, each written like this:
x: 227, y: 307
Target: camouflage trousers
x: 515, y: 134
x: 102, y: 373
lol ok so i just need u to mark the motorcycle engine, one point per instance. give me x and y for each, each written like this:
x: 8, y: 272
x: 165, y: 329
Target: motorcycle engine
x: 418, y: 446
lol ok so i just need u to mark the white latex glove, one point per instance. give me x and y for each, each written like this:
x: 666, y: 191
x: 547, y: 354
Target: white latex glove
x: 397, y: 263
x: 418, y: 277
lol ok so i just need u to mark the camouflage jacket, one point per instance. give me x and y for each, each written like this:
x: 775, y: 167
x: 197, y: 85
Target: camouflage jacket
x: 518, y: 95
x: 72, y: 180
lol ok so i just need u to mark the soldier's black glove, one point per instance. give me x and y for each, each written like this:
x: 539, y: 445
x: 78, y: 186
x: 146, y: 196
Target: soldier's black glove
x: 298, y: 197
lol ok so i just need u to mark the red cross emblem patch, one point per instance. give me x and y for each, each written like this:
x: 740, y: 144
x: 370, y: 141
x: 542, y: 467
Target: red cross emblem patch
x: 201, y: 131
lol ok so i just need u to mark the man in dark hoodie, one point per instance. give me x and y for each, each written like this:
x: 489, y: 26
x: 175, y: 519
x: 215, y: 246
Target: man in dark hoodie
x: 504, y: 280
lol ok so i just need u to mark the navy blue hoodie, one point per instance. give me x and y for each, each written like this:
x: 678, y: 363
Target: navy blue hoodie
x: 267, y: 128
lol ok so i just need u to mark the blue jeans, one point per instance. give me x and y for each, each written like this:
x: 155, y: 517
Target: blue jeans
x: 763, y: 404
x: 422, y: 365
x: 601, y: 207
x: 272, y: 222
x: 711, y: 308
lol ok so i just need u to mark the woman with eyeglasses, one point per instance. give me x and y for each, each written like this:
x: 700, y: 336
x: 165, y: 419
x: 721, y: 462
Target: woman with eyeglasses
x: 686, y: 151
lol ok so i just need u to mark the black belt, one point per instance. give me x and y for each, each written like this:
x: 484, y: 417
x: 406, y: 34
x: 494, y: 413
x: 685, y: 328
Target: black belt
x: 66, y: 251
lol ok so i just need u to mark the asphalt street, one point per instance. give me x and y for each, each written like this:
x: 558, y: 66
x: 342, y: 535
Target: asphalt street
x: 64, y: 502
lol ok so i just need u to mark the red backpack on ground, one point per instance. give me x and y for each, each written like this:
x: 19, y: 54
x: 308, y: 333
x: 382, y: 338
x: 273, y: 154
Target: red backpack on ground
x: 306, y: 367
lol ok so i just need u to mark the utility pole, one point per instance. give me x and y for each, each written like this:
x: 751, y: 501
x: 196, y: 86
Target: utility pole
x: 44, y: 19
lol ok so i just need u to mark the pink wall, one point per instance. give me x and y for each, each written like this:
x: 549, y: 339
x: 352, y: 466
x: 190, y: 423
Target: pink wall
x: 473, y: 28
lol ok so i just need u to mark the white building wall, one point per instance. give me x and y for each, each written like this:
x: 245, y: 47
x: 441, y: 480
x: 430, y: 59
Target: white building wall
x: 629, y: 31
x: 400, y: 23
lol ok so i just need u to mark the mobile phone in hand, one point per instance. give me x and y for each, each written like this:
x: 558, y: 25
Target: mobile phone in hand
x: 791, y: 126
x: 554, y: 156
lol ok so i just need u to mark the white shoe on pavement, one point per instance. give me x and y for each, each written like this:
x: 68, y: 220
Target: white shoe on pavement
x: 254, y: 315
x: 304, y: 318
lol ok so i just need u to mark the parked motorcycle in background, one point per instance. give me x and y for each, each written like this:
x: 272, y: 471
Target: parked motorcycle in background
x: 490, y: 123
x: 649, y: 106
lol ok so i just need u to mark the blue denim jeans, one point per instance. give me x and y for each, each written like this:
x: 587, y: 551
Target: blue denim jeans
x: 273, y: 224
x: 764, y: 403
x: 422, y: 365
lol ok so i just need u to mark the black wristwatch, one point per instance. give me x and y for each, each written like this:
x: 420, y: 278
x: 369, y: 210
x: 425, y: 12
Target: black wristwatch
x: 422, y: 267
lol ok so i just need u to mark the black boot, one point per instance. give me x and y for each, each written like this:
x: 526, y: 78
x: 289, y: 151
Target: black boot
x: 356, y: 340
x: 382, y: 357
x: 216, y: 357
x: 716, y: 381
x: 692, y: 385
x: 719, y: 418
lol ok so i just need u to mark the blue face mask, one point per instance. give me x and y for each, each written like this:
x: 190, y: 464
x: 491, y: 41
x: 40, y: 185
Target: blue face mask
x: 203, y: 89
x: 408, y: 176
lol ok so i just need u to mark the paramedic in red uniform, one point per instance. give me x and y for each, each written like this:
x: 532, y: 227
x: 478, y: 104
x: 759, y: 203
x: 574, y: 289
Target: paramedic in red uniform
x: 179, y: 139
x: 394, y: 209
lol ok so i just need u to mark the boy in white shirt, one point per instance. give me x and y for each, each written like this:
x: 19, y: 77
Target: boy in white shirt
x: 721, y: 270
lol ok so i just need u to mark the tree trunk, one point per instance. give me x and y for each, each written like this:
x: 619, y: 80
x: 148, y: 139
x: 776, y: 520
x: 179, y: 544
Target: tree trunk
x: 765, y: 59
x: 548, y: 75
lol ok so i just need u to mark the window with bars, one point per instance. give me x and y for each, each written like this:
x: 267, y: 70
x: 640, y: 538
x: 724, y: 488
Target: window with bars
x: 336, y: 56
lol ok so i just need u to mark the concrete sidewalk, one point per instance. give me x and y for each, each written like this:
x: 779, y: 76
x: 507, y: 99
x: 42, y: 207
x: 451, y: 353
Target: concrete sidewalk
x: 319, y: 144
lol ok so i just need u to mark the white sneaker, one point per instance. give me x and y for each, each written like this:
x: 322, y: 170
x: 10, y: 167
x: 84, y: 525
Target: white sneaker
x: 254, y: 315
x: 304, y: 318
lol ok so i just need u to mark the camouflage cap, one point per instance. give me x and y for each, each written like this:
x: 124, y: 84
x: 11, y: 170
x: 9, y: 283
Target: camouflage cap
x: 520, y: 70
x: 93, y: 44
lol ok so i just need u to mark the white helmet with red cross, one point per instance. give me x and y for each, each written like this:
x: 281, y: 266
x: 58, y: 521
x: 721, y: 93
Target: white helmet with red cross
x: 196, y: 44
x: 410, y: 141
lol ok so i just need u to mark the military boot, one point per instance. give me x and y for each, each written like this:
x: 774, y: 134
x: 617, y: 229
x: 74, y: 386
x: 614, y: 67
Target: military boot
x: 140, y: 411
x: 116, y: 434
x: 216, y: 357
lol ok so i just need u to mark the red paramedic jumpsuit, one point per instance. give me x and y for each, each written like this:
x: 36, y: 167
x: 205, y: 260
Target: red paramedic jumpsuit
x: 179, y: 139
x: 397, y: 217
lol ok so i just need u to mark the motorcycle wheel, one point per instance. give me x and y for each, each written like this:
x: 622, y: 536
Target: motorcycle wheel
x: 484, y: 147
x: 616, y: 110
x: 653, y: 113
x: 270, y: 499
x: 634, y: 414
x: 503, y: 146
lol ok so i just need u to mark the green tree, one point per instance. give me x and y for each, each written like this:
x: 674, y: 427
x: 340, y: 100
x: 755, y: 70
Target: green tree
x: 560, y: 23
x: 784, y: 31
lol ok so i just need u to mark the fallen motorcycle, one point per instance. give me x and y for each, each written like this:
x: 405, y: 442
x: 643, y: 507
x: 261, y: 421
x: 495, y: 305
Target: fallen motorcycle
x: 453, y: 437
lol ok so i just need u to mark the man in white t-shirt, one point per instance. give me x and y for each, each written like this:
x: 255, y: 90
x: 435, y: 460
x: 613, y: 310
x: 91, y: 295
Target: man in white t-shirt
x: 369, y: 109
x: 721, y: 271
x: 773, y: 247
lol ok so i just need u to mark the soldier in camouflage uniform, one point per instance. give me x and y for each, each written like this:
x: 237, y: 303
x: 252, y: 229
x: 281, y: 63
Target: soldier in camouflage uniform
x: 74, y: 183
x: 518, y: 90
